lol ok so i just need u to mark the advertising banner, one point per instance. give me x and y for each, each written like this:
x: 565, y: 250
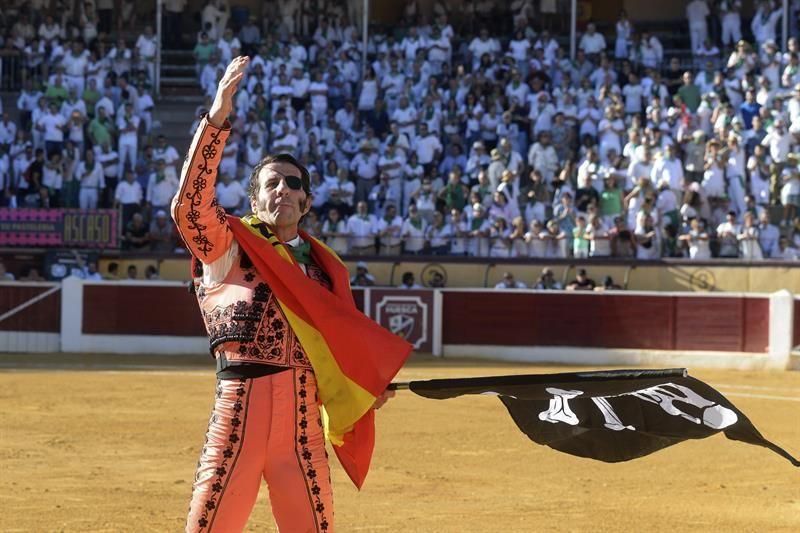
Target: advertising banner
x: 65, y: 228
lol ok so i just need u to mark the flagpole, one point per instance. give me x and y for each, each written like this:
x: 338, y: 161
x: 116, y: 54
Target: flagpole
x: 442, y: 384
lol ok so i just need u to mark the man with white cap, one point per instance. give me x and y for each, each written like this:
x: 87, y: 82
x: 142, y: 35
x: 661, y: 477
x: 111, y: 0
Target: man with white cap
x: 362, y: 277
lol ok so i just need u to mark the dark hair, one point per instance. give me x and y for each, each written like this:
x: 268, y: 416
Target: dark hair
x: 252, y: 188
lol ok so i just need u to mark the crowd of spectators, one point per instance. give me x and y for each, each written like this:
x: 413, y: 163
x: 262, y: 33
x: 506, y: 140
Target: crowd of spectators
x: 84, y: 137
x: 453, y: 143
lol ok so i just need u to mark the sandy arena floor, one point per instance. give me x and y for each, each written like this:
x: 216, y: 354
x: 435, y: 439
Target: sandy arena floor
x: 83, y: 448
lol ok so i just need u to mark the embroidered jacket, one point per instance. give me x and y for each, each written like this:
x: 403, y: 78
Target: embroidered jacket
x: 243, y: 318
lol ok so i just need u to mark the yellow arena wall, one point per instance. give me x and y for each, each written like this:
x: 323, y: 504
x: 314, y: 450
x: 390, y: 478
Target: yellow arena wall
x: 661, y: 277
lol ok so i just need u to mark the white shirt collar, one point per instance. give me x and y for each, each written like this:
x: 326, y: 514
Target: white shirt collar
x: 297, y: 241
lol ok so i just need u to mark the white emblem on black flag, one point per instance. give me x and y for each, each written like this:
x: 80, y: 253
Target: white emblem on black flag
x: 610, y: 416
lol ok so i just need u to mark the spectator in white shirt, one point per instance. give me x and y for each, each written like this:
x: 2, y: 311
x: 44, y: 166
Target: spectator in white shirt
x: 428, y: 148
x: 749, y: 247
x: 50, y: 31
x: 8, y: 130
x: 334, y: 232
x: 779, y: 141
x: 365, y: 166
x: 90, y: 173
x: 592, y: 42
x: 128, y: 196
x: 697, y: 240
x: 230, y: 194
x: 790, y: 195
x: 161, y: 188
x: 768, y: 236
x: 341, y: 193
x: 670, y: 168
x: 408, y: 282
x: 128, y: 126
x: 300, y: 84
x: 482, y: 45
x: 146, y: 46
x: 75, y: 64
x: 542, y: 156
x: 362, y: 277
x: 727, y: 233
x: 633, y: 93
x: 765, y: 20
x: 53, y: 125
x: 508, y: 282
x: 413, y: 231
x: 696, y: 13
x: 362, y: 229
x: 228, y: 46
x: 389, y: 228
x: 406, y: 118
x: 318, y: 95
x: 165, y: 152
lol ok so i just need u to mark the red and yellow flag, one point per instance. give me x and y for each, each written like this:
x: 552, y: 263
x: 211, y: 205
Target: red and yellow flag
x: 354, y: 359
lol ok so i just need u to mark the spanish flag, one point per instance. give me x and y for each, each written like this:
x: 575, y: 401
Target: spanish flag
x: 354, y: 359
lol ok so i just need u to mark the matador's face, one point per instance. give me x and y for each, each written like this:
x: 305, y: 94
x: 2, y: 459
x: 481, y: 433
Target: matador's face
x: 277, y: 203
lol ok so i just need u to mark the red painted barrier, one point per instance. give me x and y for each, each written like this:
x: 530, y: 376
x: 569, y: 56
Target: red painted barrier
x: 141, y: 310
x: 606, y: 321
x: 796, y: 340
x: 495, y: 318
x: 110, y: 309
x: 42, y: 316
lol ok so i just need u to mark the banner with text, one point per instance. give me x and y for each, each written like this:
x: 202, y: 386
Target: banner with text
x: 87, y: 228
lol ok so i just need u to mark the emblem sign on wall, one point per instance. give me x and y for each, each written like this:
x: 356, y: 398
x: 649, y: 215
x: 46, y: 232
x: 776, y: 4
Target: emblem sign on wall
x: 408, y: 314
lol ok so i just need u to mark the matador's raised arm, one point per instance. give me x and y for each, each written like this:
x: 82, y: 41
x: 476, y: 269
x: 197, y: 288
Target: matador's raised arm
x: 199, y: 218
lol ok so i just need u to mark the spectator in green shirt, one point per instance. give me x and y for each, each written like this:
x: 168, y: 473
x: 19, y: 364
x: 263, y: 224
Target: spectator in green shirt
x: 101, y: 128
x: 454, y: 194
x: 57, y: 92
x: 91, y: 96
x: 610, y: 200
x: 580, y: 244
x: 689, y: 92
x: 202, y: 51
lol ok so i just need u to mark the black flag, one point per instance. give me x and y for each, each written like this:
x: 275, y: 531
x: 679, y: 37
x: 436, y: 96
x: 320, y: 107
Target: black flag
x: 610, y: 416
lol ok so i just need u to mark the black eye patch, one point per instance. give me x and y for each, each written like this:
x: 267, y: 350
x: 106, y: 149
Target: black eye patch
x: 293, y: 182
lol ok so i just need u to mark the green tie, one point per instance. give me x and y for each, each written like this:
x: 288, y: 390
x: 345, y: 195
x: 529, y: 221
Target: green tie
x: 301, y: 252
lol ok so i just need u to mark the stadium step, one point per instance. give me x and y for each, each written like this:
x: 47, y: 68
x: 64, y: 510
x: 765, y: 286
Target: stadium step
x: 181, y: 57
x: 178, y: 70
x: 178, y: 81
x: 175, y: 97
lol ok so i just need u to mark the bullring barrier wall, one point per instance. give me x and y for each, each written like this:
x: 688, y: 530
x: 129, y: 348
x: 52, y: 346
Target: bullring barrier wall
x: 668, y: 275
x: 736, y: 330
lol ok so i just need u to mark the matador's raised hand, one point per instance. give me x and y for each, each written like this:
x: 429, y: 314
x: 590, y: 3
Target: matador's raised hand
x: 223, y: 101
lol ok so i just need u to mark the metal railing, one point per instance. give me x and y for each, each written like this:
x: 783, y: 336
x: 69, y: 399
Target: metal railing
x: 11, y: 75
x: 505, y: 248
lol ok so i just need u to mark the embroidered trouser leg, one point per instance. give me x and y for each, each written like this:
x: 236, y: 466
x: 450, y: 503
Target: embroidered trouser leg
x: 269, y: 428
